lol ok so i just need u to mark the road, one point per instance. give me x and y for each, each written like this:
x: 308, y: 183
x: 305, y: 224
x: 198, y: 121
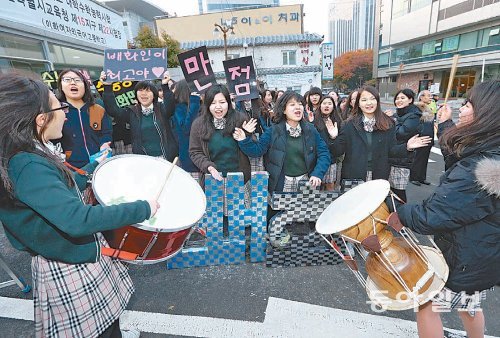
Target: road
x: 247, y: 300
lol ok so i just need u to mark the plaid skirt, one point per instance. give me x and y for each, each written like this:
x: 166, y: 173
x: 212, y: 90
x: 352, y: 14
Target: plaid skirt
x: 446, y: 300
x: 292, y: 183
x: 369, y: 176
x: 256, y: 164
x: 119, y: 148
x: 331, y: 174
x: 78, y: 300
x: 399, y: 178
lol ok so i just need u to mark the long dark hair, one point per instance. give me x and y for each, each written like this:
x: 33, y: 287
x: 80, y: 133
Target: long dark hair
x: 483, y: 130
x: 22, y: 99
x: 319, y: 122
x: 279, y: 110
x: 87, y: 96
x: 181, y: 92
x: 313, y: 91
x: 233, y: 119
x: 382, y: 121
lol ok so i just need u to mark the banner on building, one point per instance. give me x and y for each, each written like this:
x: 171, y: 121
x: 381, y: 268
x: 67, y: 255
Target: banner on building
x: 241, y: 78
x: 135, y: 64
x: 84, y: 20
x: 197, y: 70
x: 327, y: 61
x: 124, y: 92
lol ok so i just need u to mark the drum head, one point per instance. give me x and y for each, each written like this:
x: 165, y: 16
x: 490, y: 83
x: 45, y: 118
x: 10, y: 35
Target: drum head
x: 437, y: 260
x: 352, y: 207
x: 128, y: 178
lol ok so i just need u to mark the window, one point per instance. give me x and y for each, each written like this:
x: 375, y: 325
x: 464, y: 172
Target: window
x: 232, y: 56
x: 468, y: 41
x: 289, y: 58
x: 450, y: 43
x: 416, y: 51
x: 14, y: 45
x: 383, y: 59
x: 417, y: 4
x: 494, y: 36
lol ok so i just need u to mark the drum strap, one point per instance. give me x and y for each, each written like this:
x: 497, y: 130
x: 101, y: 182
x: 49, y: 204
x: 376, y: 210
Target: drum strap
x: 120, y: 254
x: 78, y: 170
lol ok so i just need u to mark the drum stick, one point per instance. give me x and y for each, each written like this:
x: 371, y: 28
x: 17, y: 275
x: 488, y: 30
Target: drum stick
x: 452, y: 77
x: 174, y: 163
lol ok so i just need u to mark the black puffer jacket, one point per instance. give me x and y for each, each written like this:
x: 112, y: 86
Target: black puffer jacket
x: 464, y: 215
x: 408, y: 124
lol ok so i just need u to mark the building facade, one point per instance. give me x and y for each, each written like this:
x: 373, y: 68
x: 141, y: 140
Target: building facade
x: 135, y: 14
x: 210, y: 6
x: 287, y: 62
x: 351, y: 25
x: 418, y: 39
x: 64, y: 34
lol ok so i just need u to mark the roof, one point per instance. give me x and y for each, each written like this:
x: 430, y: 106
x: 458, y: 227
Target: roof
x: 257, y: 41
x: 280, y: 70
x: 140, y: 7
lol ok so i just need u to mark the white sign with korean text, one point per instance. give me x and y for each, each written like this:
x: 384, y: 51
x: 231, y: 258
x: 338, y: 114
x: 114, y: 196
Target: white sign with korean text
x: 80, y: 19
x: 327, y: 61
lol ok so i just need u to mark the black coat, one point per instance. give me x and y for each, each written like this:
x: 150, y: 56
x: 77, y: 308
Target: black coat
x: 408, y: 124
x: 133, y: 116
x: 464, y: 215
x: 353, y: 143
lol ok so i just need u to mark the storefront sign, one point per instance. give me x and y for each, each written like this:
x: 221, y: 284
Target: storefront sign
x: 197, y: 70
x: 241, y: 78
x: 135, y: 64
x: 327, y: 61
x: 84, y: 20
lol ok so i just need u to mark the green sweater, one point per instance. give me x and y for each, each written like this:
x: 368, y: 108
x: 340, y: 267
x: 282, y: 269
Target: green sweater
x: 49, y: 219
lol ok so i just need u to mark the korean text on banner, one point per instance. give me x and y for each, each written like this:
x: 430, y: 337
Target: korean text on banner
x: 135, y: 64
x: 241, y: 78
x: 197, y: 70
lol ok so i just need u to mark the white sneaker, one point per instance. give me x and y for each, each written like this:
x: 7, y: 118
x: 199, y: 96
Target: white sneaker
x: 132, y: 333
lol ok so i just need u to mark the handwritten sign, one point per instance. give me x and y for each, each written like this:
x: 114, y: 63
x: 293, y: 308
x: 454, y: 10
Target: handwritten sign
x: 327, y: 61
x: 197, y: 70
x: 241, y: 78
x: 124, y: 92
x: 50, y: 78
x: 135, y: 64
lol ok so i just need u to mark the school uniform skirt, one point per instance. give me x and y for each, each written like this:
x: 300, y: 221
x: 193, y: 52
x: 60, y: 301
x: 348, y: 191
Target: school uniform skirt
x: 78, y: 300
x: 399, y: 178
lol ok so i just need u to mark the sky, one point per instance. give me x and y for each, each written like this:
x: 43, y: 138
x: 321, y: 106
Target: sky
x: 315, y: 20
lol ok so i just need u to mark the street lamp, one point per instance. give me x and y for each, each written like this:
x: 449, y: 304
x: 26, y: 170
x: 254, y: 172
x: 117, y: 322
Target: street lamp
x: 224, y: 28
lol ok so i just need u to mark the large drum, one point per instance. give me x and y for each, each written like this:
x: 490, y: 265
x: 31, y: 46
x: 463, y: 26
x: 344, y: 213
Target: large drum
x: 128, y: 178
x: 401, y: 273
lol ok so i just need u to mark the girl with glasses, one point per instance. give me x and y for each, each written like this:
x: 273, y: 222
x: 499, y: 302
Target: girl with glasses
x: 43, y: 213
x: 88, y: 129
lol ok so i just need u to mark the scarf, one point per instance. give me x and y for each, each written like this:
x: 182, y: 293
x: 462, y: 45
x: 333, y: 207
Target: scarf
x: 294, y: 131
x: 220, y: 124
x: 368, y: 124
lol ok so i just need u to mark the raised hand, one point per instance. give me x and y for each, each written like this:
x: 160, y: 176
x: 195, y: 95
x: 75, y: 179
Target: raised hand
x: 332, y: 128
x: 239, y: 134
x: 250, y: 125
x: 103, y: 78
x: 444, y: 113
x: 166, y: 78
x: 418, y: 142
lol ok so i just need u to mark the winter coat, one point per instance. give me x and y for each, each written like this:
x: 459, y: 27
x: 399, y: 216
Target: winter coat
x: 272, y: 145
x: 353, y: 143
x: 133, y: 116
x: 426, y: 127
x: 464, y: 215
x: 183, y: 120
x: 407, y: 125
x: 84, y: 131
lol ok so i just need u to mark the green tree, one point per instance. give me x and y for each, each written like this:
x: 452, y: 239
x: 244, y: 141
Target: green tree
x: 147, y: 39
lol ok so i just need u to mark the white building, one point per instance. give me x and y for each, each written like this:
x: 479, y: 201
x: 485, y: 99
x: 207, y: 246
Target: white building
x: 351, y: 25
x: 418, y: 39
x: 288, y: 62
x: 210, y: 6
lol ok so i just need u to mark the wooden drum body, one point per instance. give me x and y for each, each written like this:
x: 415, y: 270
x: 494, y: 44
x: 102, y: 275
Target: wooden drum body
x: 401, y: 273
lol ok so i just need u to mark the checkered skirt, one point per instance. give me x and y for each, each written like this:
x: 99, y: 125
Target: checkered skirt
x: 399, y: 178
x: 331, y: 174
x: 292, y: 183
x: 447, y: 299
x: 78, y: 300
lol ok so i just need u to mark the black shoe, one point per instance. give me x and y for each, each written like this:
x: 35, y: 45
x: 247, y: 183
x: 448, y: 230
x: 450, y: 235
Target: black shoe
x: 417, y: 183
x: 425, y: 182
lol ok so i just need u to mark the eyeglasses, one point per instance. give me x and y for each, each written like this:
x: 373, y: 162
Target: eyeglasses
x: 465, y: 102
x: 64, y: 107
x: 76, y: 80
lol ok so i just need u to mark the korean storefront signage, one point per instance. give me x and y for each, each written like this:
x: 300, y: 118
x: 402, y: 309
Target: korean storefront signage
x: 327, y: 61
x: 83, y: 20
